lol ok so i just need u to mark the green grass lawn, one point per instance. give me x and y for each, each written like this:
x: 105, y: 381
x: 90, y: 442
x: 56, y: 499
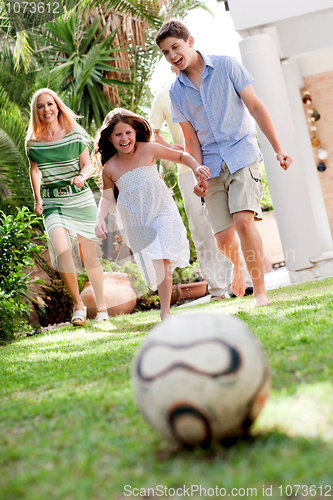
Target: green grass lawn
x: 69, y: 429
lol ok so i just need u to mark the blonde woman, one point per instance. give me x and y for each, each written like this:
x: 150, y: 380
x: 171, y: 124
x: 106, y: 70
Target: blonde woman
x: 57, y: 149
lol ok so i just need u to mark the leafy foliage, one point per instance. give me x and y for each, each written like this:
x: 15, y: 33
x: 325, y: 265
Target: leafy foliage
x: 144, y: 9
x: 57, y: 303
x: 17, y: 250
x: 170, y: 179
x: 189, y: 274
x: 144, y: 61
x: 266, y: 202
x: 14, y: 165
x: 12, y: 316
x: 85, y: 57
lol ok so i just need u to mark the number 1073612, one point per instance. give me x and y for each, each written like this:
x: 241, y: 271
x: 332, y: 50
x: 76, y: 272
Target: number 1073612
x: 32, y: 8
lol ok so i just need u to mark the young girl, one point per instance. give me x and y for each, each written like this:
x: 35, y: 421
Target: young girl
x: 147, y: 216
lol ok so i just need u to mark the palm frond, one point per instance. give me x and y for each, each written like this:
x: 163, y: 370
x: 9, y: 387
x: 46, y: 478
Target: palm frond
x: 14, y: 166
x: 139, y: 10
x: 22, y: 52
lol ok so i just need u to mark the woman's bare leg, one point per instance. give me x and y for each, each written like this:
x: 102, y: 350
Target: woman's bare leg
x: 164, y: 285
x: 94, y: 270
x: 62, y: 246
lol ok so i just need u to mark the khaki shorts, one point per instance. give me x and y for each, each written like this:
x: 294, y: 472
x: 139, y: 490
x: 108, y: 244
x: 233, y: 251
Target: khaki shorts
x: 229, y: 193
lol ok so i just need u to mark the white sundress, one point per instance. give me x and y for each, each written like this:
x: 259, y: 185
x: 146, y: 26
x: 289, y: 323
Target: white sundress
x: 149, y: 222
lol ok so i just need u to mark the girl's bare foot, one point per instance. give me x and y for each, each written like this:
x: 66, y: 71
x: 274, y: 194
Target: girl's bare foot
x: 260, y: 300
x: 165, y: 314
x: 238, y: 282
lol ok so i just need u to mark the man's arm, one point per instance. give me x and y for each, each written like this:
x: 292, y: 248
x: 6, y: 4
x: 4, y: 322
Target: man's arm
x: 192, y: 144
x: 259, y: 112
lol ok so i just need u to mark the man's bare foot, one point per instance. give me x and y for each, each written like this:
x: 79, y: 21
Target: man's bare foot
x: 260, y: 300
x: 238, y: 282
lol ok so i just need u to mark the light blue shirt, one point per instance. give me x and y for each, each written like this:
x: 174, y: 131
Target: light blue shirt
x: 217, y: 113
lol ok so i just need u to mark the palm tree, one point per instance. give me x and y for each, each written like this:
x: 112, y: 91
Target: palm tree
x: 76, y: 46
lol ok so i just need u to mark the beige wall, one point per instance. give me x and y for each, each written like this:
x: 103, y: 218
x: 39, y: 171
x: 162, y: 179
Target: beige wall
x: 320, y: 87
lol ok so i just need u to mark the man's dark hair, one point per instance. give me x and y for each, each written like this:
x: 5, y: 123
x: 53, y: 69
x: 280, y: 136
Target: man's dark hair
x: 173, y: 28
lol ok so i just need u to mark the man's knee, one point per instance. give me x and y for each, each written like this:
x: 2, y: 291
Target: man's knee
x: 224, y: 239
x: 243, y: 222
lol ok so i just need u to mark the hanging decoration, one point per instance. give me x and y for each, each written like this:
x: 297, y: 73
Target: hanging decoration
x: 315, y: 141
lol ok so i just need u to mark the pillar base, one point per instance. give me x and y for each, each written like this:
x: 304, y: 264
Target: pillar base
x: 322, y: 268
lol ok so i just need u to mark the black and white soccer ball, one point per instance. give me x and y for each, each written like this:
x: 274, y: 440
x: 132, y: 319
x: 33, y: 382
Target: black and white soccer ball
x: 200, y: 377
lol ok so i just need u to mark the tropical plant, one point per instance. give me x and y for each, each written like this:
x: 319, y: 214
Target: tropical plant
x: 18, y: 247
x: 189, y: 274
x: 14, y: 166
x: 145, y: 57
x: 18, y: 238
x: 143, y: 63
x: 12, y: 316
x: 56, y: 305
x: 170, y: 179
x: 76, y: 45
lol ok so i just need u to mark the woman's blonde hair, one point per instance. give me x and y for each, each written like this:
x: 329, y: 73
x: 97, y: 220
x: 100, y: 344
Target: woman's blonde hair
x: 67, y: 118
x: 104, y: 149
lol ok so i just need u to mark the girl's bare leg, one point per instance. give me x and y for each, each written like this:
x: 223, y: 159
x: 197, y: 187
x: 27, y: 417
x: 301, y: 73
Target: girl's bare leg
x: 94, y: 270
x: 164, y: 285
x: 62, y: 246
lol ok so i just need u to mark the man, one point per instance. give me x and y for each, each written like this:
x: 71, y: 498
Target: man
x: 214, y: 266
x: 209, y: 99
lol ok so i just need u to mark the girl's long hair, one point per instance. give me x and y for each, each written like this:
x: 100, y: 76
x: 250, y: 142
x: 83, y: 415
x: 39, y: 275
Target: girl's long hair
x: 67, y: 118
x: 104, y: 149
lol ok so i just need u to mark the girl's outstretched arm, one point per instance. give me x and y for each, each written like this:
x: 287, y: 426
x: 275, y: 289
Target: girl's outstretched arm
x: 104, y: 206
x: 161, y: 152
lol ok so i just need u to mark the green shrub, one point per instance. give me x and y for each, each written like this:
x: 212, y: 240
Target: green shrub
x: 266, y: 202
x: 18, y: 247
x: 189, y: 274
x: 12, y: 316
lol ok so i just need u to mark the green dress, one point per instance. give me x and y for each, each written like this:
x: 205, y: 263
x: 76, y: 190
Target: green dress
x: 64, y: 205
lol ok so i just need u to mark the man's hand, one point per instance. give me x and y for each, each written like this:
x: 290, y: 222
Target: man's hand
x: 202, y: 173
x: 201, y: 188
x: 284, y: 159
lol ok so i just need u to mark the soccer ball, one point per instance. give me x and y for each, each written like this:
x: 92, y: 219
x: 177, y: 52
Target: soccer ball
x: 200, y: 377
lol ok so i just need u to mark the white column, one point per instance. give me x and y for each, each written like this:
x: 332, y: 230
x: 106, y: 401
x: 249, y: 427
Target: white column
x: 291, y: 78
x: 289, y: 191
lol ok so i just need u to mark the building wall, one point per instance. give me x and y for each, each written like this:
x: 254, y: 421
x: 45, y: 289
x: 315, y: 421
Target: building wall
x: 247, y: 14
x: 320, y: 87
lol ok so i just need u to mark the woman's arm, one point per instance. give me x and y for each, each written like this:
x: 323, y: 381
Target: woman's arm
x: 104, y: 206
x: 35, y: 180
x: 85, y: 169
